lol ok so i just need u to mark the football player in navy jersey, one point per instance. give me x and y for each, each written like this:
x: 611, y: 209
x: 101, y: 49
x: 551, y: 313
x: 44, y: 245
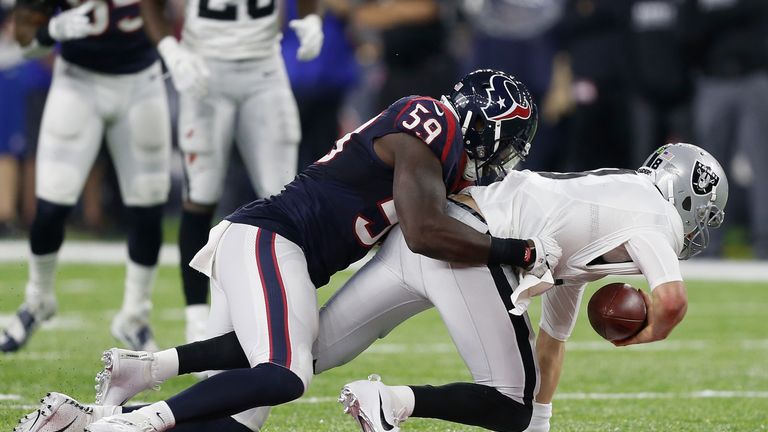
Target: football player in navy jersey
x: 107, y: 83
x: 266, y: 259
x: 233, y: 88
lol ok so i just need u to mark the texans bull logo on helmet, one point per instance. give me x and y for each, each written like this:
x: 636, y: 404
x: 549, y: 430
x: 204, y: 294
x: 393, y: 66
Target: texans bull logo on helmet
x: 503, y: 95
x: 703, y: 179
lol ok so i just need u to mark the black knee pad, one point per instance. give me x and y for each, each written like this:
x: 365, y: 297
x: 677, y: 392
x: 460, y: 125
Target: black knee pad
x: 47, y: 232
x: 145, y: 234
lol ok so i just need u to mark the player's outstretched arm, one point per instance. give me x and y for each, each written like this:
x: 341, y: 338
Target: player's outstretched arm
x: 420, y: 199
x: 666, y: 307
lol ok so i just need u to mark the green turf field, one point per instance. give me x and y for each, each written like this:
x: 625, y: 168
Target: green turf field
x: 698, y: 380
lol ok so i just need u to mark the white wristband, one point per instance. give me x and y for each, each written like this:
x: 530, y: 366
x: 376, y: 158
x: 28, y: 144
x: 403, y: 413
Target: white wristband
x: 168, y: 47
x: 543, y: 410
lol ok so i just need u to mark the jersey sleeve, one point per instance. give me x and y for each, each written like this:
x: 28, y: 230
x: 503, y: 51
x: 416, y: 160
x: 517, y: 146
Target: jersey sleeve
x: 559, y: 310
x: 655, y: 257
x: 437, y: 127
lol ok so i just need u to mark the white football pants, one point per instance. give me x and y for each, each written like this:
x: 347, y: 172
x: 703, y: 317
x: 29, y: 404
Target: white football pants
x: 84, y: 107
x: 473, y: 302
x: 248, y: 101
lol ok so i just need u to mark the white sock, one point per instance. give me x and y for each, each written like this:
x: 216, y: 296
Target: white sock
x: 42, y: 272
x: 159, y: 415
x: 406, y: 397
x: 166, y: 365
x: 101, y: 411
x: 197, y: 313
x: 139, y: 280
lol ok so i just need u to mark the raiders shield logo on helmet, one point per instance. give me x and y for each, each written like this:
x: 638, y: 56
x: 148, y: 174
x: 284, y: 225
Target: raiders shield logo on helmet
x: 703, y: 179
x: 503, y: 95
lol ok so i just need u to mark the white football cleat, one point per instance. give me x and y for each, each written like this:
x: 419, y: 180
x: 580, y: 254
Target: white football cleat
x: 125, y: 374
x: 60, y: 413
x: 27, y: 319
x: 372, y: 404
x: 131, y: 422
x: 134, y: 332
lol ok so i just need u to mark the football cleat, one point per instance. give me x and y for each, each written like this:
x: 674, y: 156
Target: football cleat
x: 27, y: 319
x: 60, y: 413
x: 372, y: 405
x: 131, y: 422
x: 125, y: 374
x: 134, y: 332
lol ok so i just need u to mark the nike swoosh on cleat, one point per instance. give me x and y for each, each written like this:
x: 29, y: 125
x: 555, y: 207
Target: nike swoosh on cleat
x: 67, y: 426
x: 384, y: 423
x: 36, y: 419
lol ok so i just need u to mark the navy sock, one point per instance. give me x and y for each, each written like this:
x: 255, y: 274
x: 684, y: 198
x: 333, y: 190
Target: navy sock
x: 193, y: 234
x: 234, y: 391
x: 471, y: 404
x: 224, y: 424
x: 47, y: 231
x: 145, y: 234
x: 220, y: 353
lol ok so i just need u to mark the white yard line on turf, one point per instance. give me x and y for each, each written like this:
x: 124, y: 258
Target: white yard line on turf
x: 384, y: 348
x: 701, y: 394
x: 93, y: 252
x: 5, y: 397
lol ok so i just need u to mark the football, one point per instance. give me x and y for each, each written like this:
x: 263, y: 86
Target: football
x: 617, y: 311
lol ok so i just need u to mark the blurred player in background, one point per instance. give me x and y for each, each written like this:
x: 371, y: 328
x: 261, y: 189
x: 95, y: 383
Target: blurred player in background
x: 268, y: 257
x: 606, y: 222
x: 107, y: 83
x: 232, y: 86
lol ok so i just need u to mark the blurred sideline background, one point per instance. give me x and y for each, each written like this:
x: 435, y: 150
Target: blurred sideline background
x: 613, y: 79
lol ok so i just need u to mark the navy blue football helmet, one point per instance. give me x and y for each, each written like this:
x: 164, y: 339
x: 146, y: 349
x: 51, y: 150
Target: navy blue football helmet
x: 498, y: 122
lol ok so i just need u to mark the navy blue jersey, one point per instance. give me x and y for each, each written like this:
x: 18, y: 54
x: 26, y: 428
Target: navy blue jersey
x: 118, y: 44
x: 342, y: 205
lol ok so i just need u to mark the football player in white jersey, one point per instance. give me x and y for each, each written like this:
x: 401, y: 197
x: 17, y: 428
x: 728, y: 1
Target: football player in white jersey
x: 232, y: 86
x: 107, y: 84
x: 607, y: 222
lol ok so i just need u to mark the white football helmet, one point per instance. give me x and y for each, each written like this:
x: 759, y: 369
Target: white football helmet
x: 695, y: 183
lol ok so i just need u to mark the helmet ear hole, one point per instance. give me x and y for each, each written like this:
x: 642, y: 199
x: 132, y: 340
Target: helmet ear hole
x: 687, y: 203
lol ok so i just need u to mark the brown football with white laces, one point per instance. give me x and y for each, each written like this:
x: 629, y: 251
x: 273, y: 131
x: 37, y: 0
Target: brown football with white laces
x: 617, y: 311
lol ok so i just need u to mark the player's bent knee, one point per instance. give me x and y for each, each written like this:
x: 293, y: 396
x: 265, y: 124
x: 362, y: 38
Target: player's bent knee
x: 290, y: 384
x: 511, y: 415
x: 58, y: 182
x: 148, y: 190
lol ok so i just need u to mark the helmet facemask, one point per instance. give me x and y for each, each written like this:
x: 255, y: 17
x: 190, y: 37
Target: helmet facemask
x: 491, y: 152
x: 706, y: 216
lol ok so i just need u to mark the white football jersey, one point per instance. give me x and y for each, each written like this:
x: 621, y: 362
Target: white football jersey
x: 607, y: 222
x: 232, y: 29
